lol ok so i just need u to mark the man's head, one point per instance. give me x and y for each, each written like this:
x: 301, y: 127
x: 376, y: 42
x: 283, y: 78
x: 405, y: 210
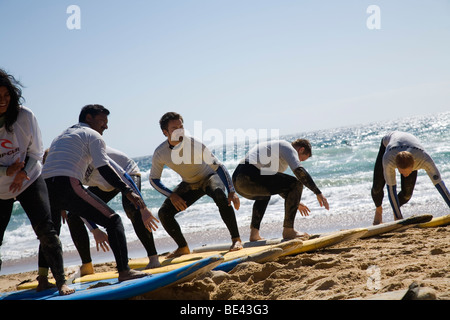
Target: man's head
x: 303, y: 148
x: 405, y: 162
x: 96, y: 116
x: 171, y: 124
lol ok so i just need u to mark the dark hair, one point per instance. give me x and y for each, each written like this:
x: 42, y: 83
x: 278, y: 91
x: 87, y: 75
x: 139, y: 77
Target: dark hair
x: 15, y: 93
x: 303, y: 143
x: 93, y: 110
x: 164, y: 121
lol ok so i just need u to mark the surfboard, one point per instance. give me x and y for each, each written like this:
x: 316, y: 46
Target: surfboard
x: 108, y: 275
x: 328, y: 240
x: 246, y: 244
x: 270, y: 254
x: 260, y: 257
x: 320, y: 241
x: 396, y: 225
x: 436, y: 222
x: 115, y: 290
x: 223, y: 251
x: 170, y: 264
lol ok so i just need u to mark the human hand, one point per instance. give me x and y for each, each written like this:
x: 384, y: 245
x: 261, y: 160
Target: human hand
x: 178, y: 202
x: 233, y: 197
x: 304, y: 210
x: 15, y: 167
x: 323, y: 201
x: 149, y: 219
x: 136, y: 200
x: 101, y: 239
x: 16, y: 185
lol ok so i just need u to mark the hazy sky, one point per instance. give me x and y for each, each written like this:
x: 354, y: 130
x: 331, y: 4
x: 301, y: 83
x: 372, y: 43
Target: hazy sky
x: 291, y: 65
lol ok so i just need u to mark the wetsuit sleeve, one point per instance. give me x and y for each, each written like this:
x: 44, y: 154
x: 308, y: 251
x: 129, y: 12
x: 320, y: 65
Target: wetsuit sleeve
x: 111, y: 176
x: 225, y: 177
x: 125, y: 177
x: 30, y: 163
x: 430, y: 167
x: 218, y: 167
x: 304, y: 177
x: 131, y: 184
x: 160, y: 187
x: 393, y: 199
x: 441, y: 187
x: 155, y: 176
x: 89, y: 224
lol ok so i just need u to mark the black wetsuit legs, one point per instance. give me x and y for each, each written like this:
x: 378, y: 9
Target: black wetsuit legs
x: 80, y: 236
x: 251, y: 184
x: 211, y: 186
x: 35, y: 203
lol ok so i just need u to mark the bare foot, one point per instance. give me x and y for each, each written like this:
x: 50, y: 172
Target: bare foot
x: 86, y: 268
x: 291, y: 233
x: 64, y: 290
x: 236, y: 244
x: 254, y: 235
x: 131, y: 274
x: 153, y: 262
x: 378, y: 216
x: 44, y: 284
x: 179, y: 252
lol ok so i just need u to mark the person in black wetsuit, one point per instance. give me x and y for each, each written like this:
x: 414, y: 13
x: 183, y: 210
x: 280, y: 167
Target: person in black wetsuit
x: 69, y: 156
x: 202, y: 174
x: 260, y: 175
x: 403, y: 152
x: 20, y: 175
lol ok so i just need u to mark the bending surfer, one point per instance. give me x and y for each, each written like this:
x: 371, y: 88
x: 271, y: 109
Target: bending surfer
x: 142, y: 219
x: 201, y: 173
x: 404, y: 152
x: 69, y: 157
x: 260, y: 175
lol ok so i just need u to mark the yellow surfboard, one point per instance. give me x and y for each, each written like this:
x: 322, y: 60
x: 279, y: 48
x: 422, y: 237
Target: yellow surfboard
x: 436, y: 222
x: 174, y: 263
x: 330, y: 240
x: 397, y: 225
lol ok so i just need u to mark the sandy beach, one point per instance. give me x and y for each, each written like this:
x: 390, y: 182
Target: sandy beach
x: 359, y: 269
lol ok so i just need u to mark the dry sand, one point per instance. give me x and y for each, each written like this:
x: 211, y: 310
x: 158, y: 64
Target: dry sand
x: 358, y: 269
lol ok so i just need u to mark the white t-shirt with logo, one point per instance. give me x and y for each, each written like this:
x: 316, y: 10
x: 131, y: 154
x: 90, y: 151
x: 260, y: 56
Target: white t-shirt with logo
x: 24, y: 141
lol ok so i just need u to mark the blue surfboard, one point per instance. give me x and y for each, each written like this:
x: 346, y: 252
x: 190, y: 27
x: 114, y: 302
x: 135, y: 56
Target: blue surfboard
x: 114, y: 290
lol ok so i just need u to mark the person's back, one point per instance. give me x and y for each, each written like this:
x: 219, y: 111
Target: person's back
x: 71, y: 153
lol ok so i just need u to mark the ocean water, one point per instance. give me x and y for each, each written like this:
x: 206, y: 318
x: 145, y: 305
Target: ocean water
x: 341, y: 165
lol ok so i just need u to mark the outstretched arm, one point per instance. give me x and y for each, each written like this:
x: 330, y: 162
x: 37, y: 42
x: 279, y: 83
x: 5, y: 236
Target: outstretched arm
x: 441, y: 187
x: 395, y: 203
x: 304, y: 177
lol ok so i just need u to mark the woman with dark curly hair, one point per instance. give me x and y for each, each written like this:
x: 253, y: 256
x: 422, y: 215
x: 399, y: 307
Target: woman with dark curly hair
x: 20, y: 174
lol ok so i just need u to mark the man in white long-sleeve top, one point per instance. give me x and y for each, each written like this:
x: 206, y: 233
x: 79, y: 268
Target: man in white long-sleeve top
x: 402, y: 151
